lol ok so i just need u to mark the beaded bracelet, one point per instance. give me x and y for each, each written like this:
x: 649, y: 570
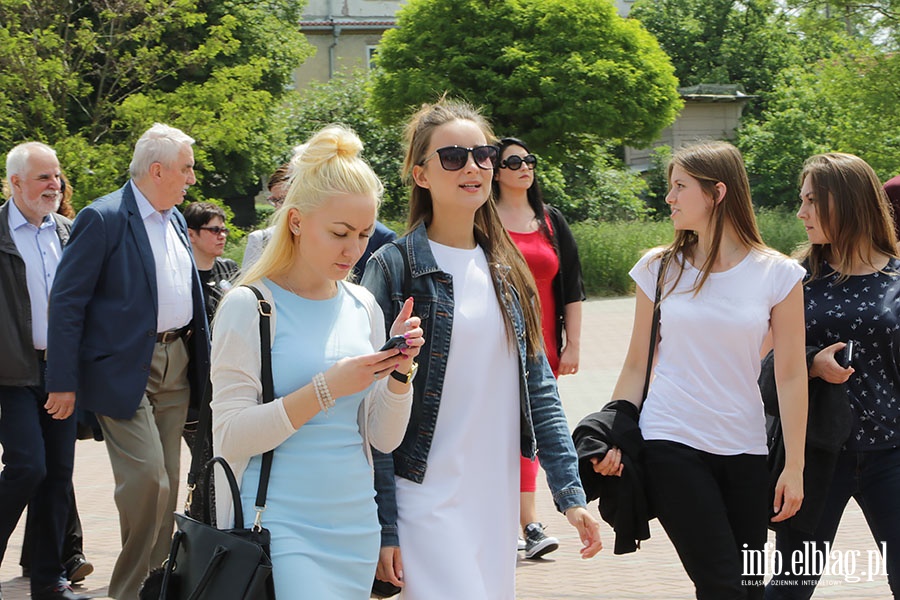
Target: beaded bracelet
x: 323, y: 394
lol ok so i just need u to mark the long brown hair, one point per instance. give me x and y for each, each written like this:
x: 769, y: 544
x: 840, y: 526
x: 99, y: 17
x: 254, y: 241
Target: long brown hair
x: 66, y: 192
x: 503, y: 256
x: 711, y: 163
x: 852, y: 209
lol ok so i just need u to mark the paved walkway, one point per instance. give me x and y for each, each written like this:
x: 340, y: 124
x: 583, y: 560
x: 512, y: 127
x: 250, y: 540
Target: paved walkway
x: 653, y: 572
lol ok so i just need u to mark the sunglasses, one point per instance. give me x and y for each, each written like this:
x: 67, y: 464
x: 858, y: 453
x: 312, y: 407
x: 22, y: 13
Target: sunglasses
x: 215, y: 230
x: 454, y: 158
x: 275, y: 200
x: 514, y: 162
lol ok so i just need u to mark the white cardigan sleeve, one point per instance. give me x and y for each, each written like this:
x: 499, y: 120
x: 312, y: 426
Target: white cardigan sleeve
x: 242, y: 426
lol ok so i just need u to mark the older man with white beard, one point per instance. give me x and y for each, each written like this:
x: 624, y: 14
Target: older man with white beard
x: 38, y: 436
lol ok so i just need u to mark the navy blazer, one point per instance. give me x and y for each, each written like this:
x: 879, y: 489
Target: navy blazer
x: 103, y: 310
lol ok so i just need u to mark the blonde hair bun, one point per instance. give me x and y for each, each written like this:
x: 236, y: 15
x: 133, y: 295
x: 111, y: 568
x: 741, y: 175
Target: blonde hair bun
x: 334, y: 141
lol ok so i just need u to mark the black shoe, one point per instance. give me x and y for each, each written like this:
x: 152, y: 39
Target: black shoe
x: 26, y: 572
x: 77, y: 569
x: 61, y: 591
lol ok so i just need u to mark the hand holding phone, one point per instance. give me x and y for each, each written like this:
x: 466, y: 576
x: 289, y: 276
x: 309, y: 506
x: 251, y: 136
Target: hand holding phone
x: 397, y: 341
x: 847, y: 355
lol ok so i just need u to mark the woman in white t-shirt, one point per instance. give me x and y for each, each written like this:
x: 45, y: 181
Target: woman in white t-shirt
x: 723, y: 290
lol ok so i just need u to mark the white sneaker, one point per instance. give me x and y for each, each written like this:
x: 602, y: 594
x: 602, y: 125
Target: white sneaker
x: 537, y: 544
x: 521, y: 544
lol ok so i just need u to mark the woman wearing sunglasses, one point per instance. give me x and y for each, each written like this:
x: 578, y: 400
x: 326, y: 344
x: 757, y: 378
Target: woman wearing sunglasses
x: 545, y: 240
x: 485, y: 394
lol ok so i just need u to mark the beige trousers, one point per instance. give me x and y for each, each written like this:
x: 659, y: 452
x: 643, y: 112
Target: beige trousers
x: 145, y: 456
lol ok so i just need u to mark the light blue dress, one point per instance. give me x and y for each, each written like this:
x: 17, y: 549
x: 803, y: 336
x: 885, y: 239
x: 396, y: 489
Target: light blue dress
x: 321, y: 501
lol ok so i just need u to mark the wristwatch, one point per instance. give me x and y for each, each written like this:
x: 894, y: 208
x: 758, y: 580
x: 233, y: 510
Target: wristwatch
x: 406, y: 377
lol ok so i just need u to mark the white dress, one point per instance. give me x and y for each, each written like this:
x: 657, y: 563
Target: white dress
x: 458, y: 528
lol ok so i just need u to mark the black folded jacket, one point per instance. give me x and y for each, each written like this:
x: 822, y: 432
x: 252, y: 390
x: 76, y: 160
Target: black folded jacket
x: 622, y: 500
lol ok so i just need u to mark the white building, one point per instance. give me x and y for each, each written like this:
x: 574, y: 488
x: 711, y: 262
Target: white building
x: 711, y: 112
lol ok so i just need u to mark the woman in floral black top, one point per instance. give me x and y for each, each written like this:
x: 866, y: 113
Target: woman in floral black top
x: 852, y: 292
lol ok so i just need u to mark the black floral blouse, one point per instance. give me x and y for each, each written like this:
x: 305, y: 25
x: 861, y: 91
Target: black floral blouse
x: 865, y: 309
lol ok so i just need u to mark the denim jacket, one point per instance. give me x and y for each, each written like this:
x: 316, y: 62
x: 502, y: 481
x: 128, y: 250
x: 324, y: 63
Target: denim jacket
x: 542, y: 421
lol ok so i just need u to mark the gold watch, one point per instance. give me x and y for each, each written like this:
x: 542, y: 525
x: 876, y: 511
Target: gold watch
x: 406, y: 377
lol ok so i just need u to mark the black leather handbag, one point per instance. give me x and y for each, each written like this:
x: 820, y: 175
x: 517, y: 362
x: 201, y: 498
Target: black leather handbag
x: 206, y: 563
x: 226, y: 564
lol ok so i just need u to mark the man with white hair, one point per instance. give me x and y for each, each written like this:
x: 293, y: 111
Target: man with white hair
x: 129, y: 339
x: 38, y: 437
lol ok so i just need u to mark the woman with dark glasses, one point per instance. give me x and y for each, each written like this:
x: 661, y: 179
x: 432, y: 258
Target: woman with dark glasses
x: 484, y: 395
x: 545, y: 240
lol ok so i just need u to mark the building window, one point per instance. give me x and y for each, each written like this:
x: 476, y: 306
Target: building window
x: 371, y: 51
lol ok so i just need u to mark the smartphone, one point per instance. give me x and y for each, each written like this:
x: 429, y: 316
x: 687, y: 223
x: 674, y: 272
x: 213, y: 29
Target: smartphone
x: 397, y: 341
x: 847, y: 356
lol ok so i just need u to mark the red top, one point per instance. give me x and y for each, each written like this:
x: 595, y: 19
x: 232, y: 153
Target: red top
x: 544, y: 265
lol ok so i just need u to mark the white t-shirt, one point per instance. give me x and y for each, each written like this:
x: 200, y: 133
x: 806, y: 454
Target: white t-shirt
x: 704, y: 391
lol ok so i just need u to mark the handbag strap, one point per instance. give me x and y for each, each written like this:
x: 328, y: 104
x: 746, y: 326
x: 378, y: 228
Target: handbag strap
x: 201, y: 436
x: 654, y: 328
x: 268, y: 390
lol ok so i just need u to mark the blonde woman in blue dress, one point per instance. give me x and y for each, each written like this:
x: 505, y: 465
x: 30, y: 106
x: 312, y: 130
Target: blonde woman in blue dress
x: 334, y: 393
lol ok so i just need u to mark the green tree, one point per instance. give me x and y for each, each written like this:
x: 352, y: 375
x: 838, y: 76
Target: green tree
x: 343, y: 100
x: 847, y: 103
x: 657, y: 179
x: 598, y: 186
x: 558, y: 73
x: 747, y: 42
x: 89, y: 76
x: 826, y: 23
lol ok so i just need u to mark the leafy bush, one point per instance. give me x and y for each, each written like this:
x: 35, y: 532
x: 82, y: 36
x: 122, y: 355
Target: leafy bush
x: 234, y: 249
x: 263, y: 214
x: 609, y: 250
x: 594, y: 185
x: 657, y: 179
x: 780, y: 228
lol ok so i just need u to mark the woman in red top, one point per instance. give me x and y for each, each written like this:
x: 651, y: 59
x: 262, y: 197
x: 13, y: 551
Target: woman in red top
x: 545, y: 240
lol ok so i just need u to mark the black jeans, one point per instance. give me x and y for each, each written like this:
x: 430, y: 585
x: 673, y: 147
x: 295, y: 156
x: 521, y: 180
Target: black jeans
x: 73, y: 541
x: 38, y: 457
x: 713, y: 508
x: 873, y: 480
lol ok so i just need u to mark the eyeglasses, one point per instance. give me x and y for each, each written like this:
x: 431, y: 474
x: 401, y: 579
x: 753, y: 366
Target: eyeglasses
x: 454, y: 158
x: 514, y: 162
x: 275, y: 201
x: 215, y: 230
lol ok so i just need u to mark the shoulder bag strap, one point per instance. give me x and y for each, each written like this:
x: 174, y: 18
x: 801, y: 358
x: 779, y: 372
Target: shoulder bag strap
x: 201, y: 437
x: 265, y: 341
x: 654, y: 328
